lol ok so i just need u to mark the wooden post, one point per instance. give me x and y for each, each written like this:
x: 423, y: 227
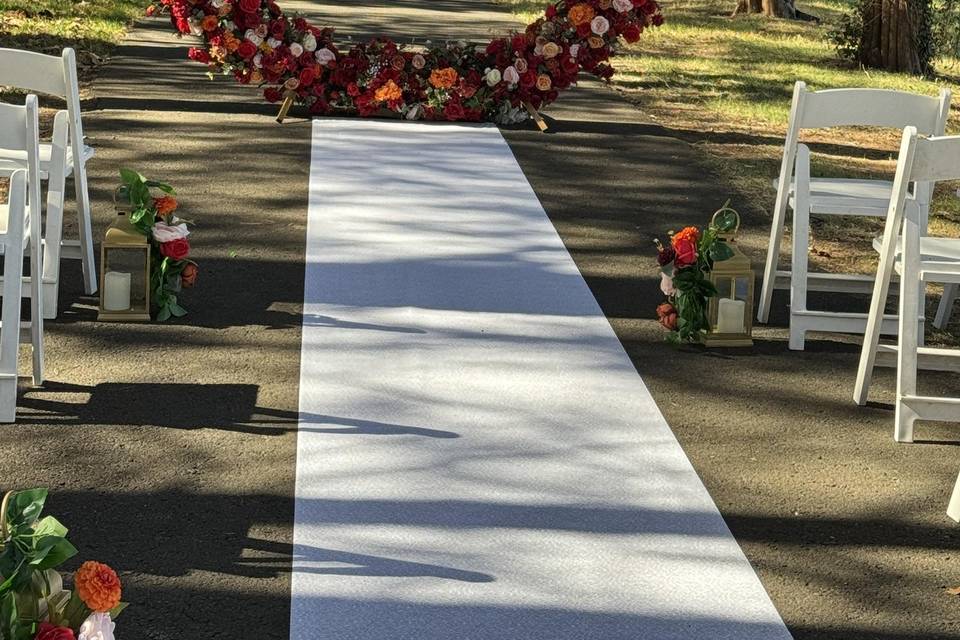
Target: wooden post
x: 285, y: 106
x: 536, y: 116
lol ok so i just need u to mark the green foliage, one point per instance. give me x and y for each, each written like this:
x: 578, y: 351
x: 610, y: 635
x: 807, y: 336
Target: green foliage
x: 936, y: 23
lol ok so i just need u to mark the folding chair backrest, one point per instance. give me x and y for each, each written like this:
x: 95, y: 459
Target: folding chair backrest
x: 936, y: 159
x: 51, y: 75
x: 872, y: 108
x: 20, y: 131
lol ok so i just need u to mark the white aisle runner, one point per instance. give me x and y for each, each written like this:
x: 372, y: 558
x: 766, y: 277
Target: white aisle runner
x: 477, y: 457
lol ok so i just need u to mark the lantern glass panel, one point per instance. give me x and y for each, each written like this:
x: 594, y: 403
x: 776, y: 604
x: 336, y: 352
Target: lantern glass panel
x: 742, y: 288
x: 723, y: 287
x: 129, y: 266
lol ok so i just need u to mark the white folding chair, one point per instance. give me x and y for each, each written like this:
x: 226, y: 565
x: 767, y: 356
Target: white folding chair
x: 11, y: 239
x: 57, y: 76
x: 808, y: 195
x: 19, y: 132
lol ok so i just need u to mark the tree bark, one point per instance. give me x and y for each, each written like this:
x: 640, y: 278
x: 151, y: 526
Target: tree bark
x: 774, y: 9
x: 892, y: 32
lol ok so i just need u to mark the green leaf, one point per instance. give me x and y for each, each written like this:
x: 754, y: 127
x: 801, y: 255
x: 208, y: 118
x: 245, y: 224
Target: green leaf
x: 25, y: 506
x: 720, y: 251
x: 57, y: 551
x: 163, y: 314
x: 177, y: 310
x: 117, y: 610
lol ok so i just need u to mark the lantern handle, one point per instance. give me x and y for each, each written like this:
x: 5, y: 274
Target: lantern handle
x: 726, y: 208
x: 4, y: 506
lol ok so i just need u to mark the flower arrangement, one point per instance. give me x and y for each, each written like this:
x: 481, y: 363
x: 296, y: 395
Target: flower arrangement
x: 685, y: 266
x: 255, y: 42
x: 33, y: 603
x: 153, y: 215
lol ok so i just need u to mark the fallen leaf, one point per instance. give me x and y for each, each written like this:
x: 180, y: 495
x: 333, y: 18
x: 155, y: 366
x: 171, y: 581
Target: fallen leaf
x: 955, y: 591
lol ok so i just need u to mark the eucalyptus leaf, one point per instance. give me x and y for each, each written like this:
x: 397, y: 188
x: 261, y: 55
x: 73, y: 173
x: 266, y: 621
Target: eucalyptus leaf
x: 720, y: 251
x: 726, y: 220
x: 25, y: 506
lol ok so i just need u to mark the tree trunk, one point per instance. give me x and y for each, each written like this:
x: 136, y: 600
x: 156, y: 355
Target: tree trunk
x: 773, y: 9
x: 893, y: 33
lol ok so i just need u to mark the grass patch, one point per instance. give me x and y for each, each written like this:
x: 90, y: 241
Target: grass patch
x: 92, y: 27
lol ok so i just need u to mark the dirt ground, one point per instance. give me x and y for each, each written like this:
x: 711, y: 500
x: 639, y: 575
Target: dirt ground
x: 170, y: 449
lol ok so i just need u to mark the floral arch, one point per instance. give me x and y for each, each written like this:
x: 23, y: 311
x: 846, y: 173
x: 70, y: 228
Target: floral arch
x: 291, y: 59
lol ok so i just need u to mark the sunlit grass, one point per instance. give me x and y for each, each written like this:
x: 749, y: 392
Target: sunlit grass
x: 726, y: 84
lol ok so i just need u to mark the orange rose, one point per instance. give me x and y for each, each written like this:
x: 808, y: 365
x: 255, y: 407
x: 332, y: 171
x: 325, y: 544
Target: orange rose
x: 165, y: 205
x: 188, y: 277
x: 580, y: 14
x: 443, y: 78
x: 98, y: 586
x: 667, y: 316
x: 595, y: 42
x: 543, y: 82
x: 388, y: 92
x: 209, y: 23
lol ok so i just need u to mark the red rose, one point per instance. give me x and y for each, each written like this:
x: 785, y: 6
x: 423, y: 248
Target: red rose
x: 453, y: 111
x: 631, y: 33
x: 307, y: 76
x: 48, y: 631
x: 667, y: 316
x: 278, y: 29
x: 519, y: 43
x: 551, y: 11
x: 177, y: 249
x: 246, y: 50
x: 353, y: 90
x: 684, y: 244
x: 199, y: 55
x: 272, y: 94
x: 250, y: 6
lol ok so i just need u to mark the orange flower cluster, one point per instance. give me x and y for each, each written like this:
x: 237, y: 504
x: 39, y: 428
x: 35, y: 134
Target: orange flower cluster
x: 209, y: 23
x: 581, y: 14
x: 388, y: 92
x: 444, y: 78
x: 691, y: 234
x: 98, y: 586
x: 165, y: 205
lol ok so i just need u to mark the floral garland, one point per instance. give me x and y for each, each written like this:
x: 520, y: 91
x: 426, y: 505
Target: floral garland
x: 290, y: 58
x: 685, y: 266
x: 33, y: 603
x: 171, y: 269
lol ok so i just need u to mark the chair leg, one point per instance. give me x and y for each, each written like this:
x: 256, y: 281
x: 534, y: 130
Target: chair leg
x: 946, y: 305
x: 770, y: 269
x: 909, y: 330
x: 12, y: 288
x: 953, y: 509
x: 88, y: 261
x: 800, y: 258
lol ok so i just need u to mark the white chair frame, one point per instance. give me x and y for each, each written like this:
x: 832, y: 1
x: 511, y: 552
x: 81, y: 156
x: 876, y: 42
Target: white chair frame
x: 20, y: 131
x: 57, y: 76
x: 919, y: 259
x: 11, y: 239
x: 807, y: 195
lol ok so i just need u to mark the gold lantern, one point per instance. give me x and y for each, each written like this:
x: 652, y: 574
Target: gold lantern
x: 731, y: 310
x: 124, y: 273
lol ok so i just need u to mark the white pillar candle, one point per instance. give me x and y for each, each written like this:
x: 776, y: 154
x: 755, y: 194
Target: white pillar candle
x: 116, y: 291
x: 730, y: 315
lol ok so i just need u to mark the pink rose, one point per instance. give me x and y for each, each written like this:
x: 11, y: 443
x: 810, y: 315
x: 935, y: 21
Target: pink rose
x: 623, y: 5
x: 166, y: 232
x: 666, y: 284
x: 511, y: 75
x: 600, y: 25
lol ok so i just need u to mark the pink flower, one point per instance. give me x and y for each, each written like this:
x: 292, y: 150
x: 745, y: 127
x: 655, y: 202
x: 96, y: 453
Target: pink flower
x: 666, y: 284
x: 418, y: 61
x: 511, y: 76
x: 600, y: 25
x: 166, y: 232
x: 325, y: 56
x: 623, y: 5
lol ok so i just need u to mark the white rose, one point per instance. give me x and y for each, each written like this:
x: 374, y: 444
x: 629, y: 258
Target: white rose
x: 296, y: 49
x: 575, y: 48
x: 258, y: 60
x: 168, y: 232
x: 510, y: 75
x: 216, y: 4
x: 310, y: 41
x: 98, y: 626
x: 493, y: 77
x: 273, y: 43
x: 600, y: 25
x: 252, y: 36
x: 622, y: 5
x: 325, y: 56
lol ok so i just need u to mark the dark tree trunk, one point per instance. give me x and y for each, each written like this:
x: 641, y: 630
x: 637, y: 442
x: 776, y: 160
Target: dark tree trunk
x: 773, y: 9
x: 894, y: 34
